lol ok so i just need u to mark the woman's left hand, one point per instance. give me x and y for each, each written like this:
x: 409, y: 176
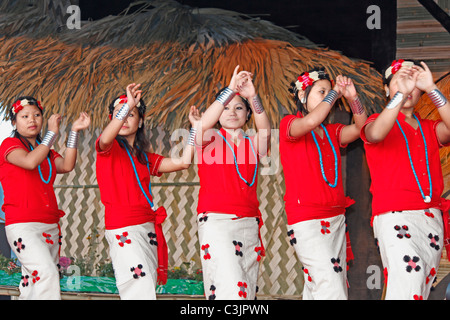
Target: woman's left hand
x: 245, y: 85
x: 424, y: 80
x: 82, y: 122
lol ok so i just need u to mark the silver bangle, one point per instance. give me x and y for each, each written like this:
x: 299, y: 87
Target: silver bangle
x: 72, y: 141
x: 192, y: 134
x: 226, y: 96
x: 331, y: 97
x: 49, y: 139
x: 395, y: 101
x: 257, y: 105
x: 123, y: 112
x: 357, y: 107
x: 437, y: 98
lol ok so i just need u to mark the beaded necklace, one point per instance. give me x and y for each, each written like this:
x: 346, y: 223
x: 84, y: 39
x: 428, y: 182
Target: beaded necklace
x: 40, y: 171
x: 426, y: 199
x: 320, y: 157
x: 235, y: 160
x: 137, y: 176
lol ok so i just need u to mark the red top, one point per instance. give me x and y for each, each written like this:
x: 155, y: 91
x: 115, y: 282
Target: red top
x: 125, y: 204
x: 308, y: 196
x: 221, y: 188
x: 394, y: 187
x: 26, y: 197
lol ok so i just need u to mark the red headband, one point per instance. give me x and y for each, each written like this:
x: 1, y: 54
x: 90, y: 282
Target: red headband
x: 305, y: 81
x: 20, y: 104
x: 395, y: 66
x: 308, y: 78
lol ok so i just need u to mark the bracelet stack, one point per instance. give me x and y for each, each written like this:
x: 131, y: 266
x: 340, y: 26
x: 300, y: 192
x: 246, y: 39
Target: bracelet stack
x: 395, y: 101
x: 72, y: 141
x: 357, y: 107
x: 331, y: 97
x: 192, y: 134
x: 437, y: 98
x: 257, y: 105
x: 226, y: 96
x: 49, y: 139
x: 123, y: 112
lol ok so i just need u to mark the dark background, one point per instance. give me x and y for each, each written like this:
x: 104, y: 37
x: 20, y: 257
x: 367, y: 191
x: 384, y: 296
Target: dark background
x: 338, y: 24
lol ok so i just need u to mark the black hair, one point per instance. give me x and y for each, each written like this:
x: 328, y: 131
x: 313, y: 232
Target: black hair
x: 323, y: 75
x: 246, y: 103
x: 141, y: 142
x: 387, y: 81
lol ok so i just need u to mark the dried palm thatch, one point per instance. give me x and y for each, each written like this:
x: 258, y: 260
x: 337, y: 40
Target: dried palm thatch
x: 427, y: 110
x: 181, y: 55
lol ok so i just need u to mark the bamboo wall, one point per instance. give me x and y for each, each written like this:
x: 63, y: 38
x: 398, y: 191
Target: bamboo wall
x: 421, y: 37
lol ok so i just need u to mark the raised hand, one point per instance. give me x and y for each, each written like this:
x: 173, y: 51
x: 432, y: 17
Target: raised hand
x: 406, y: 81
x: 82, y: 122
x: 346, y: 87
x: 194, y: 117
x: 245, y: 85
x: 424, y: 80
x: 234, y: 79
x: 53, y: 122
x: 133, y: 94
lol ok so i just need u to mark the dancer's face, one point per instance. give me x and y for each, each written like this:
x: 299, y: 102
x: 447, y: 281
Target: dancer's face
x: 318, y: 92
x: 131, y: 123
x: 29, y: 121
x: 235, y: 114
x: 413, y: 97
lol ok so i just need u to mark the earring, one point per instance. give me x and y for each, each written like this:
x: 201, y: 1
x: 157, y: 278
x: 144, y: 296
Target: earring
x: 140, y: 124
x: 303, y: 100
x: 387, y: 92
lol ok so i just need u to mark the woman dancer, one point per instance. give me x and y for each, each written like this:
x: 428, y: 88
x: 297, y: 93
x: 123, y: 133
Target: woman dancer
x: 403, y: 157
x: 28, y: 167
x: 133, y: 225
x: 314, y: 201
x: 228, y: 214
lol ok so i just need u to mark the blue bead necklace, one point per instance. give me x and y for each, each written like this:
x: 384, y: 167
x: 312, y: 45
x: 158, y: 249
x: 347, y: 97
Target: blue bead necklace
x: 40, y: 171
x: 320, y: 157
x: 137, y: 177
x: 426, y: 199
x: 235, y: 160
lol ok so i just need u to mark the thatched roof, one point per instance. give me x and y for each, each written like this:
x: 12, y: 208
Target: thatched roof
x: 181, y: 55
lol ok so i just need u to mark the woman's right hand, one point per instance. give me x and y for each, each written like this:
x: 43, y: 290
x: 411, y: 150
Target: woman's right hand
x: 53, y: 123
x: 133, y: 94
x: 406, y: 80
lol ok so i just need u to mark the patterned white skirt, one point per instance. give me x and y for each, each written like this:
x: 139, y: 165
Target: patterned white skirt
x: 410, y: 245
x: 230, y: 251
x: 133, y: 251
x: 320, y: 245
x: 37, y: 246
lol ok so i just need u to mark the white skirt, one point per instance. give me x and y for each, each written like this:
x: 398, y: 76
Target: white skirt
x: 410, y: 245
x: 230, y: 251
x: 320, y: 245
x: 37, y: 246
x: 133, y: 251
